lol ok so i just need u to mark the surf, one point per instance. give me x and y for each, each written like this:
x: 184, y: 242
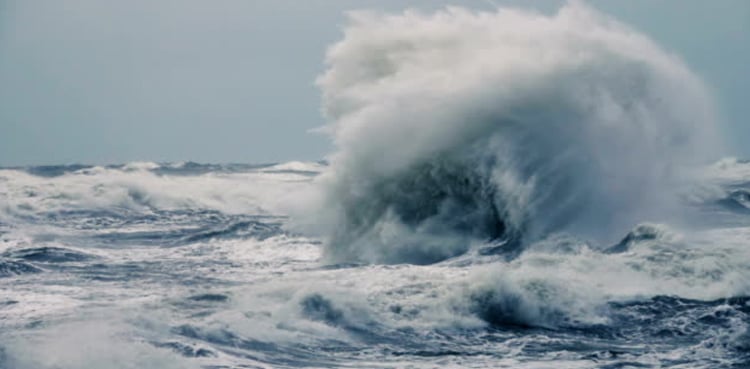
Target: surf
x: 463, y: 127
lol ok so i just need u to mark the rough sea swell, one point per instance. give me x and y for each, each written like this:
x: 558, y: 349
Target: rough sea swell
x: 509, y: 190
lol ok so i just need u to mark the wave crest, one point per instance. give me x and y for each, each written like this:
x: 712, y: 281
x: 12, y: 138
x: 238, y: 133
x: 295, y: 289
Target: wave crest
x: 463, y: 126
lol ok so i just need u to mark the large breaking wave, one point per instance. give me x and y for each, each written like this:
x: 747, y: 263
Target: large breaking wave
x: 458, y: 127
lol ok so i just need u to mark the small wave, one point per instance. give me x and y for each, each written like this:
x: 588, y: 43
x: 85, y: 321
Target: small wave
x: 641, y: 233
x: 9, y: 268
x: 186, y: 350
x: 56, y: 170
x: 241, y: 229
x: 209, y: 297
x: 48, y: 255
x: 317, y: 307
x: 737, y: 201
x: 504, y: 301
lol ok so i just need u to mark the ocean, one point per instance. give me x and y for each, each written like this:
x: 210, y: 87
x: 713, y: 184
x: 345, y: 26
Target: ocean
x: 507, y: 189
x: 190, y: 265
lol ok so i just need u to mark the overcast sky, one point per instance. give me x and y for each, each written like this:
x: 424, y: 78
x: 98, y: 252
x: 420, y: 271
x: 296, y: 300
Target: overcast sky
x: 98, y: 81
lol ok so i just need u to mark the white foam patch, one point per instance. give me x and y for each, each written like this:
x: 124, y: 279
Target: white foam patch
x: 89, y: 345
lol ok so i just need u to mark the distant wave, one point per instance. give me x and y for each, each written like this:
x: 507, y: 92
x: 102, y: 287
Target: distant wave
x: 146, y: 187
x: 460, y: 126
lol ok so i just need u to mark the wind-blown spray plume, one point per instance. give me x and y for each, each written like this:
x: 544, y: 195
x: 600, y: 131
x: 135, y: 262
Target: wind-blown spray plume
x: 460, y: 126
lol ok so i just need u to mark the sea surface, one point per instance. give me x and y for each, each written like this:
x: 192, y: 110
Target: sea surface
x: 186, y: 265
x: 507, y: 188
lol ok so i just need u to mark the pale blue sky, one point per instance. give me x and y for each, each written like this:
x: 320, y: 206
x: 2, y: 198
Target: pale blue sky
x: 99, y: 81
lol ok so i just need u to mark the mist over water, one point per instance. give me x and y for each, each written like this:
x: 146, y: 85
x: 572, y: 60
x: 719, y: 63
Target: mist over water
x: 509, y: 190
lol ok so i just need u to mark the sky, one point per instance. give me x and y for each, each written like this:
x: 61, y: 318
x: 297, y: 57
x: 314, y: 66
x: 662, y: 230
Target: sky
x: 107, y: 81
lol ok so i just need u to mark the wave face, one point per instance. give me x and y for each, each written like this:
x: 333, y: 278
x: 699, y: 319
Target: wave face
x: 459, y: 127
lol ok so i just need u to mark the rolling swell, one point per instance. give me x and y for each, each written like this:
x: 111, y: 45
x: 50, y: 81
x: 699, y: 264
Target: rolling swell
x: 48, y: 255
x: 9, y: 268
x: 461, y: 127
